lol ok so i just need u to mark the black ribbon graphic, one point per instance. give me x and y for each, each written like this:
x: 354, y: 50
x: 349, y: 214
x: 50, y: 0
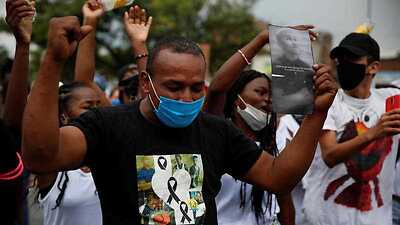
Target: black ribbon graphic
x: 172, y: 185
x: 162, y: 162
x: 184, y: 209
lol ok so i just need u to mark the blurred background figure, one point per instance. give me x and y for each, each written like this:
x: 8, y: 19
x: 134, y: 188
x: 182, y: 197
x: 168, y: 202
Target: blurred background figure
x: 128, y: 84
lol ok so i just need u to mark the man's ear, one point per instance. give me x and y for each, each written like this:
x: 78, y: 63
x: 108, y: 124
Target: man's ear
x: 144, y: 83
x: 374, y: 67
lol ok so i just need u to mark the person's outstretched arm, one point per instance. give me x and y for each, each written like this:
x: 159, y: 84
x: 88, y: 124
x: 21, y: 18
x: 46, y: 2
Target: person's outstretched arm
x: 281, y: 174
x: 85, y: 64
x: 229, y: 72
x: 19, y: 19
x: 45, y: 147
x: 137, y: 26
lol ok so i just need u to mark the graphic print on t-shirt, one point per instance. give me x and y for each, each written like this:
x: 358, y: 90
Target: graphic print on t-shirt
x: 170, y: 189
x: 363, y: 168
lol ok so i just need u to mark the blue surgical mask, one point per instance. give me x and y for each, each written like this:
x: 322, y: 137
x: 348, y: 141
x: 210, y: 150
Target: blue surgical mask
x: 176, y: 114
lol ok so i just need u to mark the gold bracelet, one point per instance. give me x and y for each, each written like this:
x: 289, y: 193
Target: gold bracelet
x: 244, y: 57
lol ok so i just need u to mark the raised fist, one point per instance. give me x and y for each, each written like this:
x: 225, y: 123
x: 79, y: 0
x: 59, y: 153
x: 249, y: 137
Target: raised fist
x: 19, y: 18
x: 63, y: 37
x: 325, y: 88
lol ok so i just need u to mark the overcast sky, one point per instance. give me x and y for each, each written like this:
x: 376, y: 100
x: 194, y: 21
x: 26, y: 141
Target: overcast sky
x: 338, y: 17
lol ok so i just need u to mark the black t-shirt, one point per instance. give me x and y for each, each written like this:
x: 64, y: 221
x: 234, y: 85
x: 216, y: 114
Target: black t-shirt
x: 134, y: 164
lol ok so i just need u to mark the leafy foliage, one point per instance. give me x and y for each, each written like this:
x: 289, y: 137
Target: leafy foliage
x: 224, y: 24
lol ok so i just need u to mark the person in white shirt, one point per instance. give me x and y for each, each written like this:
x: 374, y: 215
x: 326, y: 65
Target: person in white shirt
x: 239, y: 202
x: 70, y: 197
x: 358, y: 146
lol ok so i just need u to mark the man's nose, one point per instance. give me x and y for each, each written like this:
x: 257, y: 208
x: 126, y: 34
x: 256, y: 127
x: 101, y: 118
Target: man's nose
x: 186, y: 95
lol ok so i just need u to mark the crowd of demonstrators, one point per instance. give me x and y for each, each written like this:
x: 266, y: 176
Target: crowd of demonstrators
x: 245, y: 99
x: 157, y: 156
x: 117, y: 142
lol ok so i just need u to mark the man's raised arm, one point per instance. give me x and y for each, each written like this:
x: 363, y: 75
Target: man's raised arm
x: 46, y: 147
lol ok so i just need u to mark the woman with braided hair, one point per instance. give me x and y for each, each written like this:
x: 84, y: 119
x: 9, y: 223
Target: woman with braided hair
x: 244, y: 97
x: 70, y: 197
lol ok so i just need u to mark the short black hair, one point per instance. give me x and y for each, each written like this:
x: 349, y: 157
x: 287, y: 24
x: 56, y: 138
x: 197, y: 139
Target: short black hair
x: 176, y: 45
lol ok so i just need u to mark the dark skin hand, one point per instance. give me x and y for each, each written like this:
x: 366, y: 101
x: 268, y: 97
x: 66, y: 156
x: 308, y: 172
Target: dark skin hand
x: 17, y: 91
x: 137, y: 26
x: 85, y: 65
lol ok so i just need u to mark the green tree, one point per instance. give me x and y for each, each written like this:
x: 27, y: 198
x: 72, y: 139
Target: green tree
x: 224, y: 24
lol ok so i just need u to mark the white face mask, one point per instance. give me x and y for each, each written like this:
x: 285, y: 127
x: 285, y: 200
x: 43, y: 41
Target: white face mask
x: 255, y: 118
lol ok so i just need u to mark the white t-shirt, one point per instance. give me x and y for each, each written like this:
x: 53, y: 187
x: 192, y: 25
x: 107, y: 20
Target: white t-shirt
x: 228, y: 204
x: 359, y: 191
x: 80, y: 204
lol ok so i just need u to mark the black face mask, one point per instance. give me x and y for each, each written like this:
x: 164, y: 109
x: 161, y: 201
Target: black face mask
x: 350, y: 74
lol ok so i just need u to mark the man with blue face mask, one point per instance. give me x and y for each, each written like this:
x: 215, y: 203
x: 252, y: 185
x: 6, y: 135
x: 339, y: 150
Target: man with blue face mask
x: 120, y: 143
x: 352, y: 183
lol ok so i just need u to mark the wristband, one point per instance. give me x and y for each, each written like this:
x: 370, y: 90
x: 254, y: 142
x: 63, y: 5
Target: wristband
x: 15, y: 173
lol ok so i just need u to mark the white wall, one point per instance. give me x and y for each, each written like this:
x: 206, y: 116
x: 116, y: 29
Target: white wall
x: 338, y: 17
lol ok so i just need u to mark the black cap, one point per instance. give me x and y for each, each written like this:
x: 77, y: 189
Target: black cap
x: 359, y: 45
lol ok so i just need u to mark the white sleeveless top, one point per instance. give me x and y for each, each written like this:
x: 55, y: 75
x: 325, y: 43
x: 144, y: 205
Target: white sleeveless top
x: 80, y: 204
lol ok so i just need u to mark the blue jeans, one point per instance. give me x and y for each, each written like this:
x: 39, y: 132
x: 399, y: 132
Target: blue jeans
x: 396, y: 211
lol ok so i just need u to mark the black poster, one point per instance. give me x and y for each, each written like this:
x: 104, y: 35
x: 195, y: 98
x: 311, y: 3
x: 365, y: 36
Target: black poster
x: 292, y: 72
